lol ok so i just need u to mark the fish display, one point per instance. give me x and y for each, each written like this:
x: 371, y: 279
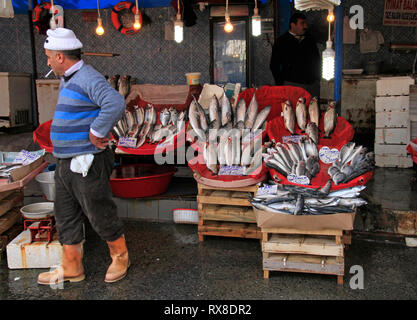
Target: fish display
x: 227, y: 134
x: 330, y: 119
x: 124, y: 85
x: 301, y: 159
x: 140, y: 123
x: 353, y: 161
x: 294, y: 200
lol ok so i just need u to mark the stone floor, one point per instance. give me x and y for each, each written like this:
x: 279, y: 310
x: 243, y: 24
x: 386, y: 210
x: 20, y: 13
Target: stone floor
x: 168, y: 261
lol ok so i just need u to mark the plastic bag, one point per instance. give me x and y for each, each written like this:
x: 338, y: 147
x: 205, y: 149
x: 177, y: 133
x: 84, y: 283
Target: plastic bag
x: 6, y: 9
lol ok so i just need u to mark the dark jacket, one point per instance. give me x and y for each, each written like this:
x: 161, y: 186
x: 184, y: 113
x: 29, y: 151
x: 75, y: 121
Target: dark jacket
x: 295, y: 61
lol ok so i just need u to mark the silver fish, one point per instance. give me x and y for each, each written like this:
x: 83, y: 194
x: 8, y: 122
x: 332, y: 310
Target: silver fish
x: 338, y: 178
x: 229, y: 152
x: 181, y: 120
x: 164, y: 117
x: 301, y: 146
x: 295, y: 151
x: 114, y: 82
x: 140, y: 115
x: 124, y: 86
x: 226, y: 109
x: 116, y: 133
x: 346, y: 192
x: 301, y: 168
x: 143, y: 134
x: 221, y: 149
x: 326, y: 188
x: 330, y: 119
x: 313, y: 132
x: 311, y: 148
x: 356, y: 202
x: 214, y: 111
x: 345, y: 151
x: 355, y: 152
x: 134, y: 131
x: 246, y: 155
x: 314, y: 111
x: 289, y: 116
x: 251, y: 113
x: 299, y: 205
x: 130, y: 121
x: 122, y: 127
x: 261, y: 117
x: 301, y: 113
x: 174, y: 115
x: 241, y: 113
x: 158, y: 135
x: 194, y: 116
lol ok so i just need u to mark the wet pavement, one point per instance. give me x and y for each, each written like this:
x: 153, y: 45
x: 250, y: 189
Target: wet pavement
x: 168, y: 262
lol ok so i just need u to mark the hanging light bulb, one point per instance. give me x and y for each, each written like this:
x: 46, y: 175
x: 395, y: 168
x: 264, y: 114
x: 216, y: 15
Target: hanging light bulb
x: 178, y: 26
x: 328, y: 61
x: 330, y: 16
x: 256, y: 21
x: 228, y: 27
x: 99, y: 29
x: 328, y: 55
x: 137, y: 25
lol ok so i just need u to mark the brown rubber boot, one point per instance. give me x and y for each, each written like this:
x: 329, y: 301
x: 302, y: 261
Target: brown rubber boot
x: 120, y: 260
x: 71, y: 268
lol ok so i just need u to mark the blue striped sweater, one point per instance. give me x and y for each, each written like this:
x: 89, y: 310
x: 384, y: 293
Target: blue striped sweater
x: 85, y: 101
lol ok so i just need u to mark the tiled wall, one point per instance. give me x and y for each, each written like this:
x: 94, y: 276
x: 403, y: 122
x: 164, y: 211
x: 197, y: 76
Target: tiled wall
x: 146, y: 55
x: 151, y: 59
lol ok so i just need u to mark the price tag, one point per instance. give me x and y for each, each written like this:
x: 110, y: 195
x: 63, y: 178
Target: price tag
x: 127, y: 142
x: 298, y: 179
x: 269, y: 189
x: 295, y: 138
x: 328, y: 155
x: 231, y: 171
x: 25, y: 157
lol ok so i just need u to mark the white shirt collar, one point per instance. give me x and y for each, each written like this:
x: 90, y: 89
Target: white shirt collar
x: 75, y: 67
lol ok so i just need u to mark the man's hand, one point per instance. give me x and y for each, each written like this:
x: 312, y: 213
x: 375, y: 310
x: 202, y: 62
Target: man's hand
x: 100, y: 143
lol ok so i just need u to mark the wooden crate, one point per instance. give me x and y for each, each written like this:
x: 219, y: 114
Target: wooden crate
x: 307, y: 251
x: 226, y: 212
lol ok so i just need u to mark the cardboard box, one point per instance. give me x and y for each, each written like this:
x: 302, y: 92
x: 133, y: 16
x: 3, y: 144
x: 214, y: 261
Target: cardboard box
x: 397, y: 149
x: 337, y: 221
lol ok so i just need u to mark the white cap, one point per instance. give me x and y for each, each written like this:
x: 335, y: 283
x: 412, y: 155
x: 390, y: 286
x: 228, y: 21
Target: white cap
x: 61, y: 39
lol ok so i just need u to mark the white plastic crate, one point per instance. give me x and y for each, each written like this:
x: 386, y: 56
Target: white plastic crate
x: 389, y: 149
x: 394, y: 103
x: 394, y: 119
x: 393, y: 161
x: 392, y: 136
x: 394, y: 86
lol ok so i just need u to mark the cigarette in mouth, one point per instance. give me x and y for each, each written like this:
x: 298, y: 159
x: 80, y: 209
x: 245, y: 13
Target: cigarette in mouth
x: 47, y: 75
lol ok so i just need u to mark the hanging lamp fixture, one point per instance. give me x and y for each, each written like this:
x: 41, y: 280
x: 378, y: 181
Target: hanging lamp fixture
x: 137, y: 25
x: 228, y: 27
x: 99, y: 29
x: 178, y: 26
x: 256, y: 21
x: 329, y: 54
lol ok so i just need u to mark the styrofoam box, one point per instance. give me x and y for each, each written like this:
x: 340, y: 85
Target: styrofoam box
x: 21, y: 254
x: 392, y: 119
x: 385, y: 149
x: 392, y: 136
x: 393, y: 103
x: 393, y: 86
x: 393, y: 161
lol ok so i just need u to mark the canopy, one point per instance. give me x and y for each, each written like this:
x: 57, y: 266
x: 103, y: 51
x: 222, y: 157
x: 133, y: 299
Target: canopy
x: 21, y: 6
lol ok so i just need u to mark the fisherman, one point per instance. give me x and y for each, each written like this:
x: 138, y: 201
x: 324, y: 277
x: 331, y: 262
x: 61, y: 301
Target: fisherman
x: 295, y: 59
x: 87, y: 108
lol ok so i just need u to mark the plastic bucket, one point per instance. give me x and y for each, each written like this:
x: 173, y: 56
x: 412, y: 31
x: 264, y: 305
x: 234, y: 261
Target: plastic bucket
x: 193, y: 78
x: 47, y: 182
x: 38, y: 210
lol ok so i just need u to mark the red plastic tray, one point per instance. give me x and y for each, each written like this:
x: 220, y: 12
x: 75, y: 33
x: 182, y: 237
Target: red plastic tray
x: 197, y: 165
x: 140, y: 180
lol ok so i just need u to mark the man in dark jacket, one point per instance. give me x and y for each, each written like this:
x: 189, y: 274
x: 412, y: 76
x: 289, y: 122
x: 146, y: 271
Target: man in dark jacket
x: 295, y: 57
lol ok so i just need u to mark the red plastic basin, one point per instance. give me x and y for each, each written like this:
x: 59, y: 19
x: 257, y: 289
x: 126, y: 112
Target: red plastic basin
x: 140, y: 180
